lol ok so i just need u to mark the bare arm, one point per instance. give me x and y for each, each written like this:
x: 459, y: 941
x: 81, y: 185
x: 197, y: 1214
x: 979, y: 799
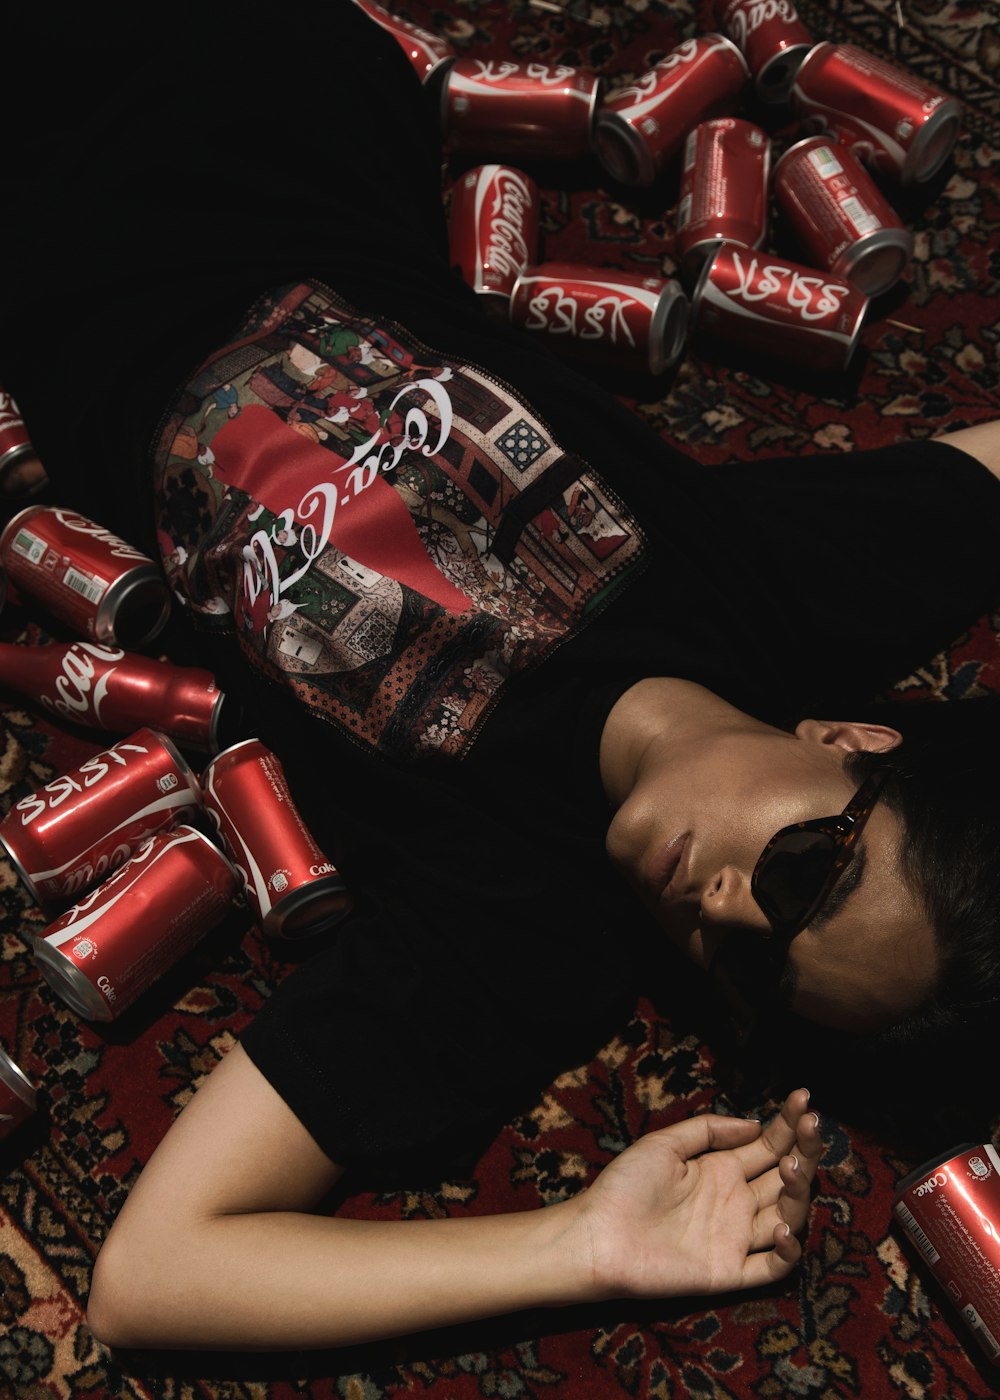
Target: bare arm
x: 981, y: 441
x: 216, y: 1248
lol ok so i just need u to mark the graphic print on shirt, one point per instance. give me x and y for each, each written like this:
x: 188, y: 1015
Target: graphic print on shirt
x: 392, y: 534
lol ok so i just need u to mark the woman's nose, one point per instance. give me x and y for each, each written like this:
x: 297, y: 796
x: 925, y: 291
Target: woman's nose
x: 726, y: 901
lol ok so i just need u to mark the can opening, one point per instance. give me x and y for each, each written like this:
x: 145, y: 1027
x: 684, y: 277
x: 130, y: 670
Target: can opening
x: 140, y: 614
x: 617, y: 152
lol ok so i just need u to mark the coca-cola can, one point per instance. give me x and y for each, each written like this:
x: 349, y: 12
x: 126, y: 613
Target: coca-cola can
x: 768, y: 305
x: 14, y: 440
x: 509, y: 109
x: 290, y: 885
x: 892, y: 120
x: 85, y: 575
x: 724, y: 189
x: 493, y: 228
x: 773, y: 40
x: 106, y: 950
x: 640, y: 127
x: 610, y: 317
x: 426, y: 51
x: 950, y: 1208
x: 17, y: 1095
x: 840, y: 216
x: 107, y: 688
x: 70, y: 834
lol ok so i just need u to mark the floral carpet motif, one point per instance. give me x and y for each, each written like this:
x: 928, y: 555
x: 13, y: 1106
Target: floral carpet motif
x: 860, y: 1318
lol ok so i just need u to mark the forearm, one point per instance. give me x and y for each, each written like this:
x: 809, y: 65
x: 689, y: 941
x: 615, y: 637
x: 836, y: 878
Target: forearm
x: 284, y: 1279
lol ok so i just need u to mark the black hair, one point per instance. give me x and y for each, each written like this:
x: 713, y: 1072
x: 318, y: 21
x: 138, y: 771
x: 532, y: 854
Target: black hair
x: 943, y: 784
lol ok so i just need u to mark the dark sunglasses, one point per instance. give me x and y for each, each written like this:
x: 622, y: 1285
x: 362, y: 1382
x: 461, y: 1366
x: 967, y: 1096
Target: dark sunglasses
x: 792, y: 880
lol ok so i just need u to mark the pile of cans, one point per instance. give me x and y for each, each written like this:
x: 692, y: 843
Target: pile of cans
x: 116, y: 834
x: 854, y: 113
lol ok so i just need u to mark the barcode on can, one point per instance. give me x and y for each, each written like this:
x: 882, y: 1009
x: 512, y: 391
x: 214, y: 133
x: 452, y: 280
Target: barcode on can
x: 29, y: 546
x: 859, y: 216
x: 924, y: 1244
x: 88, y: 585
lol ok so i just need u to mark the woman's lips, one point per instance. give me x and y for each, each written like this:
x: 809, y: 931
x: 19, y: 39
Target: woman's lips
x: 665, y: 866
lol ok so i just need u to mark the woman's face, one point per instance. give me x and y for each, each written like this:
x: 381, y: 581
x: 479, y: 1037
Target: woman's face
x: 701, y: 788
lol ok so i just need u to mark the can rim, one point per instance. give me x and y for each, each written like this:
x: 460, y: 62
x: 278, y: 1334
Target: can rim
x: 879, y: 240
x: 629, y: 161
x: 773, y: 93
x: 223, y: 753
x: 190, y: 777
x: 110, y: 604
x: 275, y: 920
x: 943, y: 125
x: 668, y: 327
x: 15, y: 1079
x: 15, y: 861
x: 69, y: 982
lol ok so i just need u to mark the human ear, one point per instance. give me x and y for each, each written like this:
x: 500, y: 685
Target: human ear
x: 850, y: 735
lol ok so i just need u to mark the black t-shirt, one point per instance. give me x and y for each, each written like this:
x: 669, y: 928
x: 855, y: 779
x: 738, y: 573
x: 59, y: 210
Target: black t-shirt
x: 165, y: 191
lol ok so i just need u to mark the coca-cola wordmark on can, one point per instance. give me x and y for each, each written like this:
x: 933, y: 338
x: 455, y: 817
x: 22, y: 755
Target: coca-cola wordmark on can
x: 14, y: 440
x: 950, y: 1208
x: 773, y: 40
x: 290, y: 885
x: 641, y: 126
x: 17, y: 1095
x: 70, y: 834
x: 501, y: 108
x: 839, y: 215
x: 890, y: 119
x: 426, y: 51
x: 108, y: 949
x: 724, y: 189
x: 107, y: 688
x: 763, y: 303
x: 610, y: 317
x: 86, y: 576
x: 493, y: 228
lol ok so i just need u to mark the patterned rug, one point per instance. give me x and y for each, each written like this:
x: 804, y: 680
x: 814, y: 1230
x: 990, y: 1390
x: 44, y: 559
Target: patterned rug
x: 860, y: 1318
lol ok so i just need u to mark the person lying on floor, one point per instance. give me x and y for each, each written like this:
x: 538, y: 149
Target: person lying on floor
x: 536, y: 678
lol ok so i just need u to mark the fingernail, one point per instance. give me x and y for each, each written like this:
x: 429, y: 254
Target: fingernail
x: 787, y: 1232
x: 795, y: 1163
x: 815, y: 1118
x: 806, y: 1092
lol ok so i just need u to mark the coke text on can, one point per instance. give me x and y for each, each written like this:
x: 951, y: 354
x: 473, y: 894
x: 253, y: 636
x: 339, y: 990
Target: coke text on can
x: 839, y: 215
x: 890, y: 119
x: 101, y: 586
x: 611, y: 317
x: 493, y: 228
x: 68, y: 835
x: 767, y: 304
x: 107, y: 950
x: 513, y: 110
x: 950, y: 1208
x: 773, y: 40
x: 640, y: 127
x: 291, y: 886
x: 724, y: 189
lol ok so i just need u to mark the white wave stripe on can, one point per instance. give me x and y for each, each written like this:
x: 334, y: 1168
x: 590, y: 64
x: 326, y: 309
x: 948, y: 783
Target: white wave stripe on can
x: 183, y: 797
x: 463, y: 84
x: 883, y: 141
x: 643, y: 295
x: 257, y: 878
x: 127, y: 877
x: 683, y: 62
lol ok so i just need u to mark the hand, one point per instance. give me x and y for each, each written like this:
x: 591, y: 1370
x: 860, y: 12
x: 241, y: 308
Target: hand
x: 703, y: 1206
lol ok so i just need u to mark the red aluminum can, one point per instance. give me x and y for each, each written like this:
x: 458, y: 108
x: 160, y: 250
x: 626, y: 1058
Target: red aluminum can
x: 611, y: 317
x: 17, y: 1095
x: 773, y: 40
x: 493, y: 230
x: 724, y: 189
x: 71, y: 833
x: 890, y: 119
x: 14, y: 440
x: 290, y: 885
x: 767, y: 305
x: 425, y: 51
x: 509, y: 109
x: 950, y: 1208
x: 88, y: 577
x: 839, y: 215
x: 106, y: 950
x: 641, y: 126
x: 107, y: 688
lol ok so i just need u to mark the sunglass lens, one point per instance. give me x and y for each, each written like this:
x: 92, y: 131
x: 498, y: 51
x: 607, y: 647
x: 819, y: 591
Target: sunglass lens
x: 792, y: 876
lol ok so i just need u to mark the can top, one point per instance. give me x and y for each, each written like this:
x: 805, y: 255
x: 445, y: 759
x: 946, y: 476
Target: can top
x: 16, y: 1080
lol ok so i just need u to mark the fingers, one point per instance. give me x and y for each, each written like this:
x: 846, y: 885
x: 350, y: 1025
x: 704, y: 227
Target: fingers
x: 693, y: 1136
x: 783, y: 1200
x: 775, y: 1263
x: 779, y: 1136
